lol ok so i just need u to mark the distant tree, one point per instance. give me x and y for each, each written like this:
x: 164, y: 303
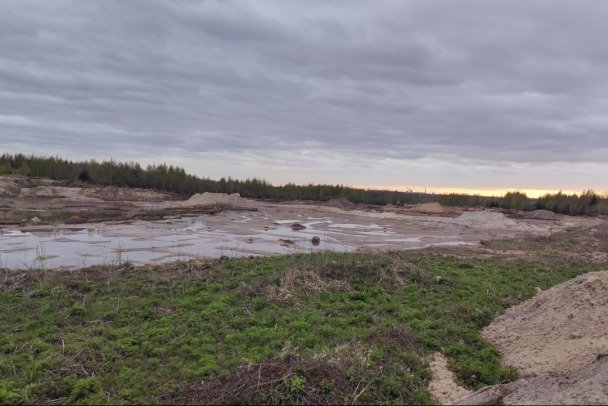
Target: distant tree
x: 84, y: 176
x: 515, y: 200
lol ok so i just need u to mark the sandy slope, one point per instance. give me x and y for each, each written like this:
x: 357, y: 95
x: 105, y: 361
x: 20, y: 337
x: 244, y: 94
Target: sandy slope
x: 558, y: 340
x: 559, y: 330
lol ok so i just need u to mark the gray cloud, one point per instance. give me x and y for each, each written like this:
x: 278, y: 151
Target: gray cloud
x: 481, y: 84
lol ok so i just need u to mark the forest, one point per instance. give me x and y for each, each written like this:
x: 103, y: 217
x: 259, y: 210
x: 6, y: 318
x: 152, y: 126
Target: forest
x: 175, y: 179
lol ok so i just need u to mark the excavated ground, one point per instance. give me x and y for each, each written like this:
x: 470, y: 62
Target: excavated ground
x: 55, y: 226
x: 554, y: 339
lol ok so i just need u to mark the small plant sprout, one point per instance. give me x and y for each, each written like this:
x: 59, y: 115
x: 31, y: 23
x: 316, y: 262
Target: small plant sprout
x: 41, y: 256
x: 118, y: 251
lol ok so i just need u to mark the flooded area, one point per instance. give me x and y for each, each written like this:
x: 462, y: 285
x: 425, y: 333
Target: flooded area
x: 271, y: 230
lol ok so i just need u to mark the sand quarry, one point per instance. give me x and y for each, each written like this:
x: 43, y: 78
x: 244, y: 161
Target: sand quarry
x: 557, y: 339
x: 151, y: 227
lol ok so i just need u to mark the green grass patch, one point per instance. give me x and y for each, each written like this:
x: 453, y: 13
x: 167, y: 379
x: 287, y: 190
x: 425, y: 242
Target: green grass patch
x: 321, y: 328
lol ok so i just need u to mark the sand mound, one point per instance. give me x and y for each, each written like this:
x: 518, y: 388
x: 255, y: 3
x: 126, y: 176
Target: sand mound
x: 543, y: 215
x: 342, y: 203
x: 486, y: 220
x: 586, y: 386
x: 559, y: 330
x: 218, y: 199
x: 428, y: 208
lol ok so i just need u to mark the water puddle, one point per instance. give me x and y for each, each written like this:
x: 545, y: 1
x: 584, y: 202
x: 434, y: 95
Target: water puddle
x: 143, y: 242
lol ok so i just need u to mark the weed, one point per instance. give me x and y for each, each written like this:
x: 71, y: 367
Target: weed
x: 41, y: 257
x: 318, y: 328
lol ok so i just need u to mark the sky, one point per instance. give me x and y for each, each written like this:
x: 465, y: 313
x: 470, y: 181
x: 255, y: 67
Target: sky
x: 468, y: 95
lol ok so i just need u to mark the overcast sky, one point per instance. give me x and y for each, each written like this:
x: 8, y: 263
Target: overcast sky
x: 472, y: 94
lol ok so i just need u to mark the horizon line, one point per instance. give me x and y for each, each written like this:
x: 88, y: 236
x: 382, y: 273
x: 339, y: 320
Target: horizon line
x: 486, y: 192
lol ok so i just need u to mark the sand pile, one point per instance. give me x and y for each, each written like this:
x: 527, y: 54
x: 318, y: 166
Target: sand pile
x: 586, y: 386
x: 486, y: 220
x: 428, y: 208
x: 218, y: 199
x: 342, y: 203
x: 559, y: 330
x: 543, y: 215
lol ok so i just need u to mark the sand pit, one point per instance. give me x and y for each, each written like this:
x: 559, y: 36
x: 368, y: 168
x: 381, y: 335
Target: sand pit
x: 559, y: 330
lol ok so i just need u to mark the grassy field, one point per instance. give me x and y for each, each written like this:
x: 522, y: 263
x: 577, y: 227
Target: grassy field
x: 320, y: 328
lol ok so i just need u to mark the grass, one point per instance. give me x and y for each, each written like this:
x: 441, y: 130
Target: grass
x: 584, y: 244
x: 321, y: 328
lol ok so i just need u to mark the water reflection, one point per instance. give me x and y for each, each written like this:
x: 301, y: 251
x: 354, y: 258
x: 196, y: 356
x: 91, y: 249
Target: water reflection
x: 142, y: 242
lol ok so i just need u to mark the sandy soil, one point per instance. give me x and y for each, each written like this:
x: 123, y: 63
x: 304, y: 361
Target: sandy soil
x: 212, y: 199
x: 558, y: 340
x: 255, y: 228
x: 585, y: 386
x: 559, y: 330
x: 31, y: 187
x: 443, y: 385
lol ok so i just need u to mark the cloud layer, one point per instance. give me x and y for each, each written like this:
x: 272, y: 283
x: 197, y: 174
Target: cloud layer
x: 466, y: 94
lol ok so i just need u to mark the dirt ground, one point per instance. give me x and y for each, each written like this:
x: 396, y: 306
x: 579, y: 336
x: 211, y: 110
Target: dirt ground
x: 147, y: 225
x: 559, y: 330
x: 443, y: 384
x: 554, y: 338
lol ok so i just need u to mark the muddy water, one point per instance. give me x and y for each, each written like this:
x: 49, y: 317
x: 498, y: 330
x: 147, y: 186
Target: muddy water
x: 265, y: 232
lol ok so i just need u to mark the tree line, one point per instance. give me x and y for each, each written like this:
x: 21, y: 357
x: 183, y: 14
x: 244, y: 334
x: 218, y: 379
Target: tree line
x: 175, y: 179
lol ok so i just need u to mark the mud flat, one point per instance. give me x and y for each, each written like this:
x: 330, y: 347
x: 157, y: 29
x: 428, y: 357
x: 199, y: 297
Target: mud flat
x: 152, y: 226
x: 256, y: 229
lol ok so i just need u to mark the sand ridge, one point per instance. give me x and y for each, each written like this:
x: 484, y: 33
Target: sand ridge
x: 214, y: 199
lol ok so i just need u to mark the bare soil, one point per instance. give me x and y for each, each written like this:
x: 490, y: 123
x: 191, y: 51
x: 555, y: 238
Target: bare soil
x: 558, y: 340
x: 443, y: 384
x: 559, y: 330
